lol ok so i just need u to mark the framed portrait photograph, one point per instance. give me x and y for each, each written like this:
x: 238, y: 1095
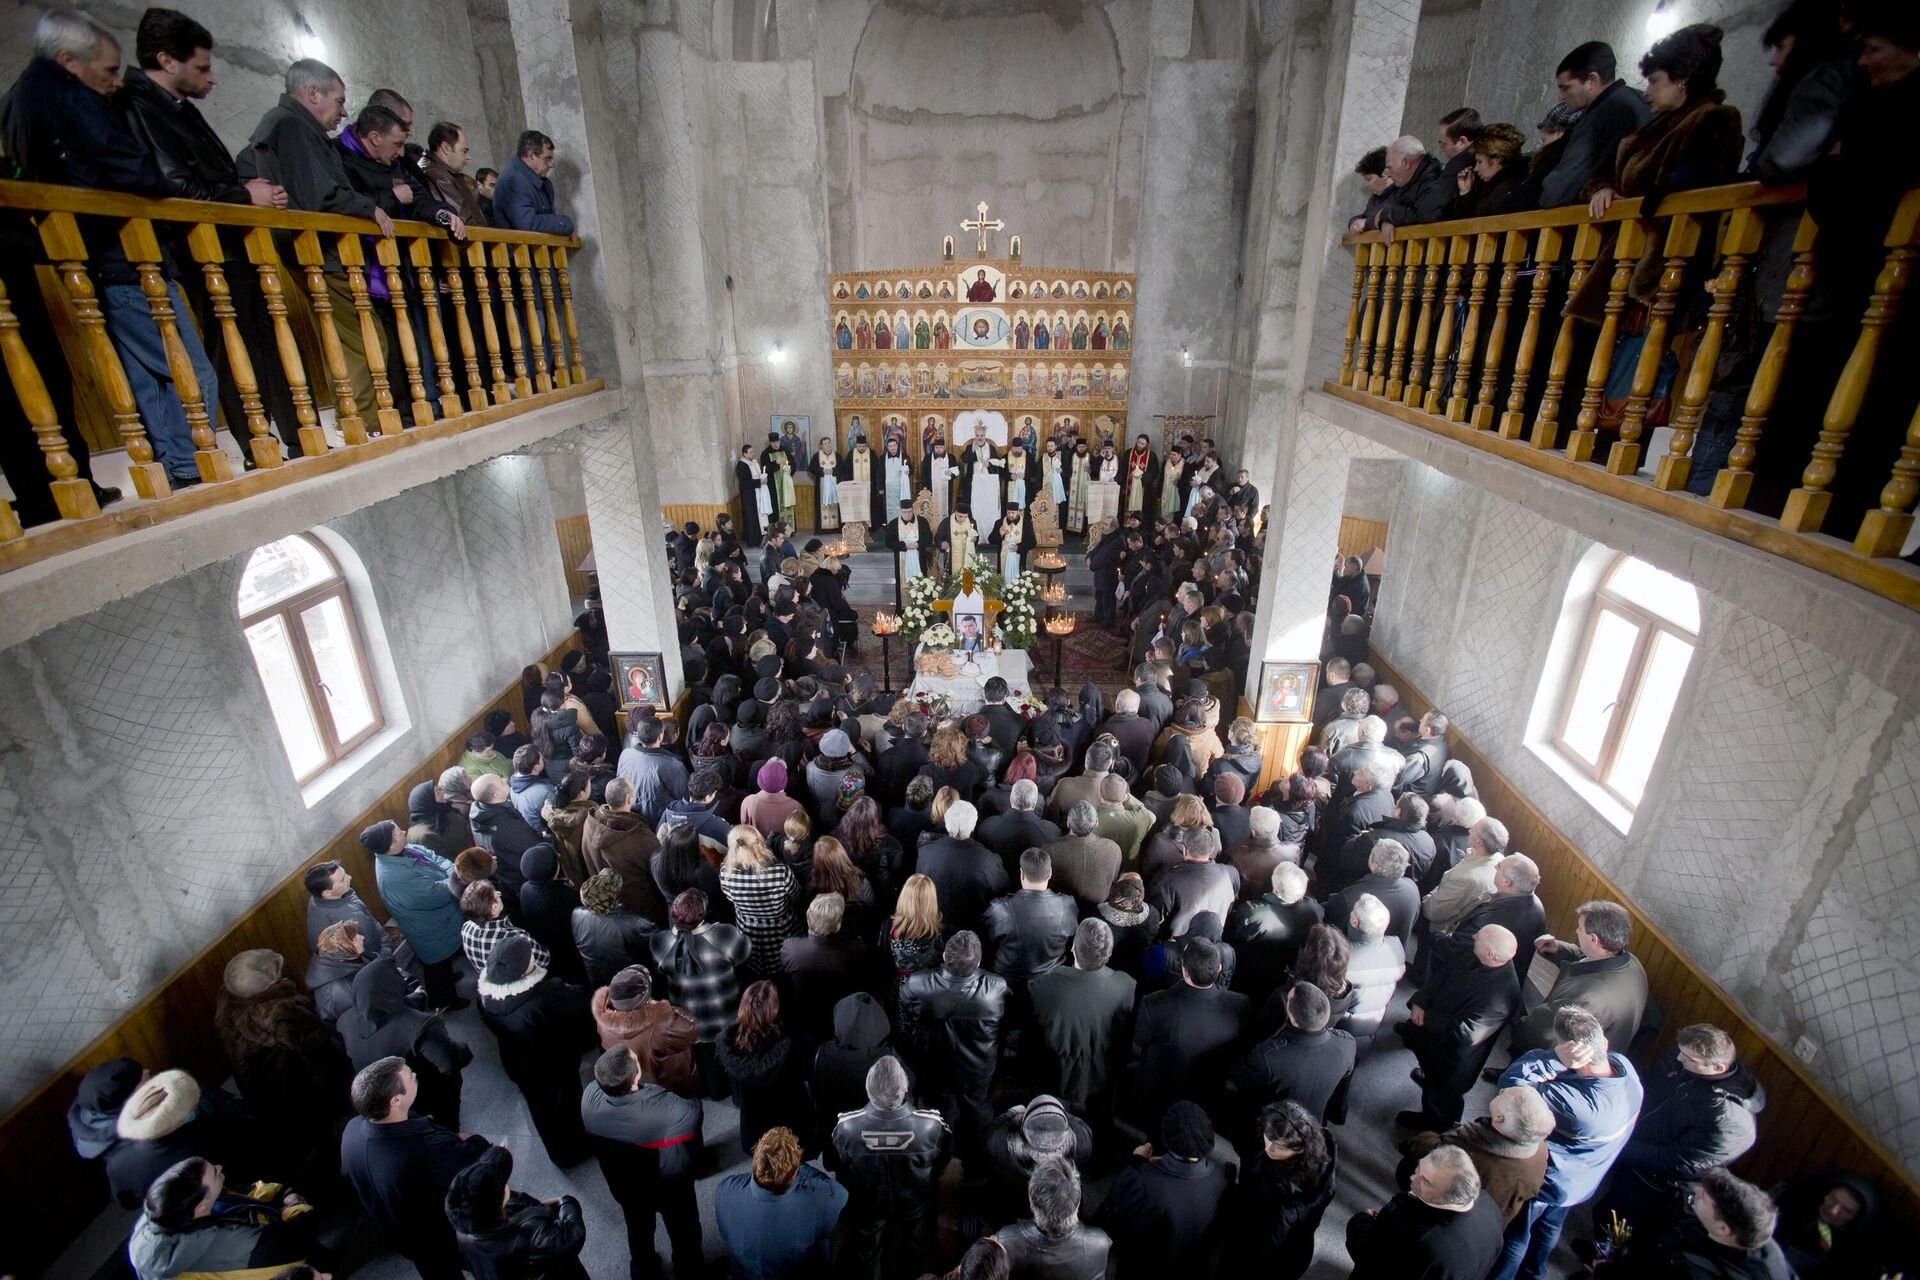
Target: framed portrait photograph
x: 971, y: 628
x: 1286, y: 692
x: 642, y: 677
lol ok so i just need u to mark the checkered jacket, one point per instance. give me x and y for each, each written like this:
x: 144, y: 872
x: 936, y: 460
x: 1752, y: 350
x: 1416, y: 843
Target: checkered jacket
x: 702, y: 973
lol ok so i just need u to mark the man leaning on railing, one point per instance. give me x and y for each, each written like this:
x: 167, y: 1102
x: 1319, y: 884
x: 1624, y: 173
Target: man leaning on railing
x: 58, y: 126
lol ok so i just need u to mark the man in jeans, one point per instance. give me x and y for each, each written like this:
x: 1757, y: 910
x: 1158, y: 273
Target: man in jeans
x: 57, y: 126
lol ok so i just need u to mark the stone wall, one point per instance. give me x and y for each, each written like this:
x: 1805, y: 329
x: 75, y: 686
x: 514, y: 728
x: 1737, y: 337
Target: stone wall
x: 1775, y: 841
x: 424, y: 48
x: 145, y: 801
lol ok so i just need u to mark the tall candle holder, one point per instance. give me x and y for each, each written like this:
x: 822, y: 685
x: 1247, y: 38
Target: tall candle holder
x: 1049, y: 564
x: 885, y: 625
x: 1059, y: 625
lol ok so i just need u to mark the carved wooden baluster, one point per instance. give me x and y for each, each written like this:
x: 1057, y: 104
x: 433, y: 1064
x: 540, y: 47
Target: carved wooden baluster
x: 1682, y: 238
x: 536, y: 346
x: 10, y: 526
x: 1383, y: 332
x: 576, y: 368
x: 353, y: 258
x: 1546, y: 254
x: 1403, y: 321
x: 420, y: 256
x: 1883, y: 532
x: 353, y: 428
x: 142, y: 248
x: 1513, y: 252
x: 1735, y: 481
x: 60, y: 236
x: 1427, y: 399
x: 72, y: 496
x: 1741, y: 241
x: 1353, y: 314
x: 543, y: 268
x: 503, y: 268
x: 387, y: 252
x: 266, y: 260
x: 1486, y: 247
x: 204, y: 242
x: 1586, y: 425
x: 1375, y: 254
x: 1546, y: 426
x: 1807, y: 506
x: 1414, y: 392
x: 477, y: 255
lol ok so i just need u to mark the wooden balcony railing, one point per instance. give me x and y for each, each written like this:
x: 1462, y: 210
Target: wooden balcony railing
x: 445, y: 372
x: 1461, y: 328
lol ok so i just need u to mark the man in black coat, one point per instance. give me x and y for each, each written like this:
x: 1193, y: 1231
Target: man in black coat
x: 649, y: 1147
x: 1104, y: 559
x: 1164, y: 1209
x: 1407, y: 826
x: 825, y: 967
x: 499, y: 828
x: 1266, y: 932
x: 1367, y: 805
x: 899, y: 763
x: 1426, y: 757
x: 1156, y: 704
x: 1386, y: 879
x: 400, y: 1166
x: 1029, y: 932
x: 1452, y: 1025
x: 1131, y: 731
x: 1443, y: 1228
x: 1003, y: 722
x: 1420, y: 195
x: 1513, y: 905
x: 1307, y: 1061
x: 889, y: 1157
x: 1184, y: 1037
x: 1609, y: 111
x: 1021, y: 827
x: 959, y: 1011
x: 1196, y: 883
x: 965, y: 873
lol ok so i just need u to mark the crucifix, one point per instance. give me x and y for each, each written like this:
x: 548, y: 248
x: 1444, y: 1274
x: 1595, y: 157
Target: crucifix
x: 981, y: 226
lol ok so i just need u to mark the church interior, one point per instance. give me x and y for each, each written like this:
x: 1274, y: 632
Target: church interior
x: 791, y: 386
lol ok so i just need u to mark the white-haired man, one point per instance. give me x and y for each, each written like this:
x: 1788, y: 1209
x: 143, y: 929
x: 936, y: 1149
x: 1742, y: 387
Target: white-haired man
x: 1266, y: 931
x: 965, y: 873
x: 1443, y: 1225
x: 1375, y: 965
x: 1021, y: 827
x: 1420, y: 193
x: 1507, y: 1147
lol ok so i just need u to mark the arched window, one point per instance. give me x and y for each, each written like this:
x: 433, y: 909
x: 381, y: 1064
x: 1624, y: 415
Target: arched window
x: 1641, y: 633
x: 299, y: 621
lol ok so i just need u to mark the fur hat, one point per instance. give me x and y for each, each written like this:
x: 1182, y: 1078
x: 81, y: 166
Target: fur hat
x: 601, y: 893
x: 510, y: 960
x: 251, y: 972
x: 834, y: 744
x: 1229, y: 788
x: 336, y: 940
x: 454, y: 783
x: 108, y: 1086
x: 159, y: 1106
x: 1501, y: 140
x: 773, y: 775
x: 630, y: 988
x: 378, y: 838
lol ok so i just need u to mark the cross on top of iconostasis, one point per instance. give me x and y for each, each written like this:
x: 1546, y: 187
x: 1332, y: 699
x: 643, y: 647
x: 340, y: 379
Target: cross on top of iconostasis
x: 982, y: 227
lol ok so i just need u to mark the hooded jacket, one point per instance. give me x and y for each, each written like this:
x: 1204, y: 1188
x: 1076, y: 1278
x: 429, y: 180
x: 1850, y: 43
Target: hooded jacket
x: 382, y: 1024
x: 188, y: 1120
x: 96, y: 1107
x: 529, y: 793
x: 661, y: 1037
x: 236, y: 1240
x: 330, y: 983
x: 1691, y: 1123
x: 542, y: 1024
x: 623, y: 841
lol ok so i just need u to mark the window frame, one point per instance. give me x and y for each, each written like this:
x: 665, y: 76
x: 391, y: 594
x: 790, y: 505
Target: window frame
x: 1633, y: 679
x: 312, y: 688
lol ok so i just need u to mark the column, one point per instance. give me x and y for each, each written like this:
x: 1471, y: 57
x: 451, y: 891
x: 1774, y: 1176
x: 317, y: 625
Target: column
x: 623, y: 511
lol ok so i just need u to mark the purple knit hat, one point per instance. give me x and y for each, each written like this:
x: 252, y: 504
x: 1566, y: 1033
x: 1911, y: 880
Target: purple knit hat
x: 773, y: 776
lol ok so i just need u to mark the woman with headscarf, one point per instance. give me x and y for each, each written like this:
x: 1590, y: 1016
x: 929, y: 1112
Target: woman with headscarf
x: 1051, y: 759
x: 284, y: 1056
x: 1826, y: 1225
x: 541, y: 1025
x: 766, y: 810
x: 1093, y: 709
x: 382, y: 1024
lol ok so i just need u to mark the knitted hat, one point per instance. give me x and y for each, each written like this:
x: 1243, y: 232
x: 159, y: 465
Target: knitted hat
x: 378, y: 838
x: 1045, y: 1127
x: 834, y: 744
x: 630, y: 988
x: 251, y: 972
x: 108, y: 1086
x: 454, y: 784
x: 1229, y: 788
x: 601, y: 893
x: 1186, y: 1131
x: 539, y: 862
x: 852, y: 787
x: 773, y: 775
x: 510, y: 959
x: 159, y: 1106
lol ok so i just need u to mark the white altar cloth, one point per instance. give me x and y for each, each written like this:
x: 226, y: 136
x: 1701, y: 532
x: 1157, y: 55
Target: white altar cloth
x: 966, y: 688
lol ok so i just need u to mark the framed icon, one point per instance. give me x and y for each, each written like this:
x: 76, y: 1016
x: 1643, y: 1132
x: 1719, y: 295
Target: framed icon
x: 1286, y: 692
x: 642, y: 678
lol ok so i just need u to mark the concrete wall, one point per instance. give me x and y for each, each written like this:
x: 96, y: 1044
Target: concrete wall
x: 145, y: 801
x: 1776, y: 840
x: 423, y: 48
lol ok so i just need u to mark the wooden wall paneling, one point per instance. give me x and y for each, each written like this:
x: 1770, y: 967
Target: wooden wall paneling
x: 1280, y: 748
x: 576, y: 542
x: 47, y: 1193
x: 1358, y: 537
x: 702, y: 513
x: 1804, y: 1128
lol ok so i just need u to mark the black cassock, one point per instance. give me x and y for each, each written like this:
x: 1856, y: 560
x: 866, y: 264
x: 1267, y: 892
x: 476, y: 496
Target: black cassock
x: 1025, y: 542
x: 749, y: 501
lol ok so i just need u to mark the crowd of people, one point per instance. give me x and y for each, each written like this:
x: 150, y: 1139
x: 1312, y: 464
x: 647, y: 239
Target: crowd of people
x: 76, y: 117
x: 1074, y: 945
x: 1844, y: 73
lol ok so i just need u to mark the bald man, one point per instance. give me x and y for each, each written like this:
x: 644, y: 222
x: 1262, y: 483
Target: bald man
x: 1454, y: 1023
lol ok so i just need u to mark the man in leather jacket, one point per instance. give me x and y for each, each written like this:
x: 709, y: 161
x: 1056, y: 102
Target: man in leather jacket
x: 959, y: 1009
x: 1054, y: 1244
x: 1031, y: 930
x: 176, y: 69
x: 890, y: 1158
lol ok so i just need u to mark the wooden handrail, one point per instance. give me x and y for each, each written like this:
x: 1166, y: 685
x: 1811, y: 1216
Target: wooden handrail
x: 1574, y: 291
